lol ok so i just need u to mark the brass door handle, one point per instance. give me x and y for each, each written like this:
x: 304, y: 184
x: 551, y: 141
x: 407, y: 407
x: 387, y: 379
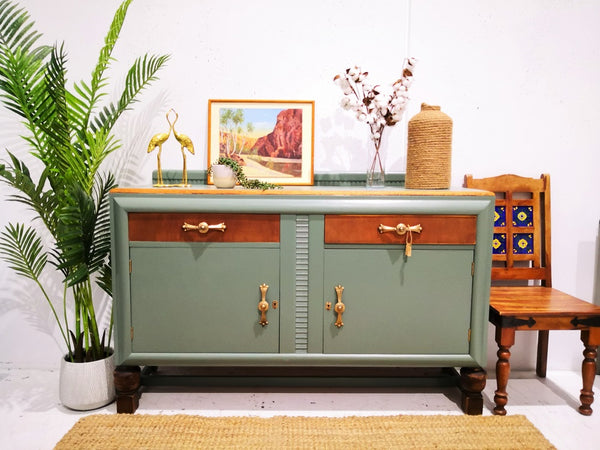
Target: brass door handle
x: 263, y: 305
x: 400, y: 230
x: 203, y: 227
x: 339, y: 307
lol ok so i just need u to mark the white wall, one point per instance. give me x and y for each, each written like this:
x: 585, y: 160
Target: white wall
x: 520, y: 80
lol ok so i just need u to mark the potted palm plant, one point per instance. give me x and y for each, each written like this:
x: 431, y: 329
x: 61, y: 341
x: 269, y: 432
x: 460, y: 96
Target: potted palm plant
x: 70, y: 136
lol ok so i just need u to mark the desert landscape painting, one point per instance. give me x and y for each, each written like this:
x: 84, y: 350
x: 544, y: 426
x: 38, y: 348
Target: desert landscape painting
x: 266, y: 141
x: 270, y: 140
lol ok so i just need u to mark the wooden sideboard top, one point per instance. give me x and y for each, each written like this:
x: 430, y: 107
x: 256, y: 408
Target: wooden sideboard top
x: 303, y: 191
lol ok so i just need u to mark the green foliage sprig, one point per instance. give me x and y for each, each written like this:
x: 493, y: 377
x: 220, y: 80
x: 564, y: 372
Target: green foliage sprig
x: 238, y: 171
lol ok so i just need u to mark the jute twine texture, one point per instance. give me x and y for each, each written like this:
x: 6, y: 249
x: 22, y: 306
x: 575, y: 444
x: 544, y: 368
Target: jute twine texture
x: 429, y: 153
x: 123, y: 431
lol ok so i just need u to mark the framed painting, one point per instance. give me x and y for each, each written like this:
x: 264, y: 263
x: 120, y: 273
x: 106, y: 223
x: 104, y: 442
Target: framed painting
x: 271, y: 139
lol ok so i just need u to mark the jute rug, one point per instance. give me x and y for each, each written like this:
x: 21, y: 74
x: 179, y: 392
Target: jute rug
x: 119, y: 431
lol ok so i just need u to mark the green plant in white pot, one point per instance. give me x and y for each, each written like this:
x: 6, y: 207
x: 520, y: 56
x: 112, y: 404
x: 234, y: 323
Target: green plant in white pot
x: 70, y: 135
x: 227, y: 171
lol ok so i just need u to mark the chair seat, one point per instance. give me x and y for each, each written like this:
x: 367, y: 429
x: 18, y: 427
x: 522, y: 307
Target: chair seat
x: 540, y: 308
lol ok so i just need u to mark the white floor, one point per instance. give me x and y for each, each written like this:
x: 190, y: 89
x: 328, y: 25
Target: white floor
x: 31, y: 416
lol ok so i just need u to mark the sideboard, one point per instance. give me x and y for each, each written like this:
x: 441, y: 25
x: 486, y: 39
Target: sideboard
x: 301, y: 277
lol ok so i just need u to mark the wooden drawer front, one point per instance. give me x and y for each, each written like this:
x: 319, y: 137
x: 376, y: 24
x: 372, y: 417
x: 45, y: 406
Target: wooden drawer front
x: 363, y: 229
x: 167, y: 227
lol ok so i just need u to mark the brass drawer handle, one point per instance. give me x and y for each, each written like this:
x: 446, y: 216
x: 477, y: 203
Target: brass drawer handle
x: 203, y: 227
x: 339, y: 306
x: 400, y: 230
x: 263, y: 305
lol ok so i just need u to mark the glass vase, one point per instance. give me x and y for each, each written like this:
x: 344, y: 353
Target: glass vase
x: 375, y: 169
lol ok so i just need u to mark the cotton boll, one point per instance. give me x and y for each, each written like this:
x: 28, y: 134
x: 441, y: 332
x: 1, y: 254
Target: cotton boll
x: 346, y: 103
x: 410, y: 64
x: 382, y: 100
x: 354, y: 73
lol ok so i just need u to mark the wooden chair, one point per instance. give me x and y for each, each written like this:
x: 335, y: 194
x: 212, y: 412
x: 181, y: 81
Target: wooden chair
x: 521, y: 252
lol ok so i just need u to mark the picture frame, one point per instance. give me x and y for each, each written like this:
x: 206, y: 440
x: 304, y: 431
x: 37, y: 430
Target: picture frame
x: 273, y: 140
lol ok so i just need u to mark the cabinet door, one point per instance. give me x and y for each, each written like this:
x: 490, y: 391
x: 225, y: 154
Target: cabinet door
x: 396, y: 304
x: 203, y: 297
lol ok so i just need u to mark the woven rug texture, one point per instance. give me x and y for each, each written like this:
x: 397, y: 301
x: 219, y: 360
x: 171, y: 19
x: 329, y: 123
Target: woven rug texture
x: 123, y: 431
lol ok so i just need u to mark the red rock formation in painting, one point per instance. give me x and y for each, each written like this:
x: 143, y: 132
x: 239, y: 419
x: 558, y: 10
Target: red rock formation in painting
x: 285, y: 141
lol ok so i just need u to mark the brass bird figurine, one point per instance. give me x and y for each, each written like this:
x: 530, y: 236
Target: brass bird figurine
x: 186, y: 143
x: 157, y: 141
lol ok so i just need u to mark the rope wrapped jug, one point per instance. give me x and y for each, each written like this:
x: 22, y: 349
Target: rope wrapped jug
x: 428, y: 158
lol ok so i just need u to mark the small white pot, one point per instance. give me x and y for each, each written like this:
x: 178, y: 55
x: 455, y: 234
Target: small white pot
x: 88, y: 385
x: 223, y: 176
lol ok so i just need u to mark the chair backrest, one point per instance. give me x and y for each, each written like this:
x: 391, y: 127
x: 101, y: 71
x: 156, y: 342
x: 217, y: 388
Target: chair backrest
x: 521, y: 243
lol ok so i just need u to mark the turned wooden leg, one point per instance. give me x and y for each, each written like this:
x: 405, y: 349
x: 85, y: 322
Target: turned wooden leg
x: 591, y: 339
x: 542, y: 353
x: 127, y: 385
x: 472, y: 383
x: 505, y: 338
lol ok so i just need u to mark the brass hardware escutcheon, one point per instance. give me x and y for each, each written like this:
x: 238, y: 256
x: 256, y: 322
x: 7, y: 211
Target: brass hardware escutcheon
x: 263, y: 305
x: 339, y: 306
x: 275, y: 304
x: 400, y: 230
x: 327, y: 306
x: 203, y: 227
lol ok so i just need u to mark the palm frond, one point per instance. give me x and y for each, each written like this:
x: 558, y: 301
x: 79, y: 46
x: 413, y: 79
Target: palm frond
x: 98, y: 146
x: 142, y: 72
x: 101, y: 244
x: 84, y: 231
x: 37, y: 196
x: 21, y: 65
x: 75, y: 233
x: 22, y: 249
x: 55, y: 76
x: 52, y: 119
x: 106, y: 118
x: 104, y: 59
x: 79, y: 102
x: 16, y: 27
x: 104, y: 279
x: 21, y: 77
x: 140, y: 75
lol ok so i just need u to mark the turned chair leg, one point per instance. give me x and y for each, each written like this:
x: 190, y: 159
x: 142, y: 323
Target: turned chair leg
x: 505, y: 338
x: 591, y: 340
x: 542, y: 353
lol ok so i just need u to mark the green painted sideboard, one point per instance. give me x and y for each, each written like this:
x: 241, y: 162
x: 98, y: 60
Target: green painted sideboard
x: 301, y: 277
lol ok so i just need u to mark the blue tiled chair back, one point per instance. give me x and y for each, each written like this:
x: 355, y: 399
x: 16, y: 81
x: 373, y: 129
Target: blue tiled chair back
x: 521, y: 243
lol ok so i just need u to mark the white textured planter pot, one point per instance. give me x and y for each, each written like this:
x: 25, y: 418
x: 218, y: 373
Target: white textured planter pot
x: 89, y: 385
x: 223, y: 176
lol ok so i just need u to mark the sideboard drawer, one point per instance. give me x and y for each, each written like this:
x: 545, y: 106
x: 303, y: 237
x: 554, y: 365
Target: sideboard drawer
x: 436, y: 229
x: 168, y: 227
